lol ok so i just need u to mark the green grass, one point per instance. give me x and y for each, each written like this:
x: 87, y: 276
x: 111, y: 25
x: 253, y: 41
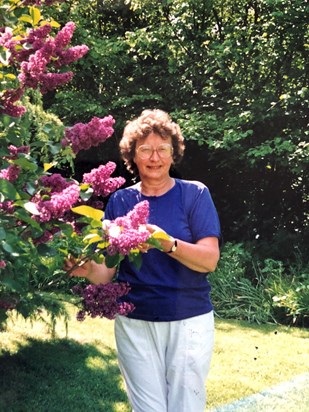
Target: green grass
x: 78, y: 371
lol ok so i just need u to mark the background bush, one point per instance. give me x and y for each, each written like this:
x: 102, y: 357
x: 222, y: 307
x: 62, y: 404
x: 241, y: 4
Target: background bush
x: 259, y: 290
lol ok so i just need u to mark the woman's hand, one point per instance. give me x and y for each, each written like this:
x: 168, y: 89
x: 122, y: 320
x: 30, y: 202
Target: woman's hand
x: 95, y: 272
x: 201, y: 256
x: 78, y: 268
x: 166, y: 241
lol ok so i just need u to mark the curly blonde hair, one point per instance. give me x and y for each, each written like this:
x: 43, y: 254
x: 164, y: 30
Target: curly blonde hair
x: 150, y: 121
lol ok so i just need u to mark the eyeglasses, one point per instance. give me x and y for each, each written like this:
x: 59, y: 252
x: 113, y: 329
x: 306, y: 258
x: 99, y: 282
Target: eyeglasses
x: 145, y: 151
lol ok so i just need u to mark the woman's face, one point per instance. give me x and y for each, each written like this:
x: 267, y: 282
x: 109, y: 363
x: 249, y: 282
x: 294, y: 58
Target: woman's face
x: 153, y: 157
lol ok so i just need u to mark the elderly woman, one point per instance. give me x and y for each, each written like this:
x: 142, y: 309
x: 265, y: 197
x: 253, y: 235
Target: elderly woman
x: 165, y: 345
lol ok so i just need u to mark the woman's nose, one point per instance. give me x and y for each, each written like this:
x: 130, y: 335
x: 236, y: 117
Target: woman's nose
x: 154, y: 155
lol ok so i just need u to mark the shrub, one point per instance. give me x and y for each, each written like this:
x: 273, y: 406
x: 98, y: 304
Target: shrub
x: 246, y: 288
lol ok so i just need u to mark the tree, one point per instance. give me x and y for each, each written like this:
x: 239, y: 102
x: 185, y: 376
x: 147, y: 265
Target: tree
x: 234, y: 75
x: 40, y: 210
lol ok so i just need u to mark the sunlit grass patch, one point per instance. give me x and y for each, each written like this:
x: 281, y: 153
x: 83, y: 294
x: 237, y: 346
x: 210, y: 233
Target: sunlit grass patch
x: 79, y: 365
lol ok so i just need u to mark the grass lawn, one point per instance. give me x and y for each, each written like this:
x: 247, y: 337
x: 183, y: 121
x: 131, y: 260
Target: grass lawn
x: 77, y: 370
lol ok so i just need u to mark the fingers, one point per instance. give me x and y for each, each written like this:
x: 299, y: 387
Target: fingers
x: 75, y: 267
x: 144, y: 247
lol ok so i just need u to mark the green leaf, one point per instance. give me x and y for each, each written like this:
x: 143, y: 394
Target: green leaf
x: 26, y: 18
x: 8, y: 247
x: 92, y: 238
x: 3, y: 316
x: 13, y: 284
x: 36, y: 15
x: 23, y: 215
x: 26, y: 164
x: 2, y: 233
x: 87, y: 194
x: 8, y: 190
x: 154, y: 242
x: 160, y: 234
x: 137, y: 259
x: 66, y: 228
x: 45, y: 250
x: 113, y: 261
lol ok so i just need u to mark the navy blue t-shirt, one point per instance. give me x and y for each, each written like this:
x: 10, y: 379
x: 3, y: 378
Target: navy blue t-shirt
x: 164, y: 289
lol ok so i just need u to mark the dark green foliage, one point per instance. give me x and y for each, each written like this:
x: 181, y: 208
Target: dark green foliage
x: 234, y: 75
x: 259, y: 291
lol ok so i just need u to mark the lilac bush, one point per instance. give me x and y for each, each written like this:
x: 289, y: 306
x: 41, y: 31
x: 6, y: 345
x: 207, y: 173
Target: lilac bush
x: 45, y: 214
x: 37, y: 206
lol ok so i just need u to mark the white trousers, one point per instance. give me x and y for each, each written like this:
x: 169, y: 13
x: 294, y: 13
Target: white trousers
x: 165, y: 364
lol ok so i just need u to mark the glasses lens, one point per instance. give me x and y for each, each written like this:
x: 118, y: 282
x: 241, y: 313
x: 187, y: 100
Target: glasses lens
x: 145, y: 151
x: 164, y: 151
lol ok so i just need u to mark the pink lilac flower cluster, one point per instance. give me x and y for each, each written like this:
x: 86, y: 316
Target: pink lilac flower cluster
x: 82, y: 136
x: 101, y: 181
x: 2, y: 263
x: 34, y: 55
x: 7, y: 100
x: 11, y: 173
x: 125, y: 233
x: 102, y: 300
x: 56, y: 198
x: 14, y: 151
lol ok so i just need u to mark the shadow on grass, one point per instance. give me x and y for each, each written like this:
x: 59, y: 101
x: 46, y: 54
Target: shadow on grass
x: 60, y: 375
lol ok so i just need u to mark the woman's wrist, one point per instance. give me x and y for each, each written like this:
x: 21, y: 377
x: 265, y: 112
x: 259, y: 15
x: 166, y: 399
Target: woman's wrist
x: 173, y: 246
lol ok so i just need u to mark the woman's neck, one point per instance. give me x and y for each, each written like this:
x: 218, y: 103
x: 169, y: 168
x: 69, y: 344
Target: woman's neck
x: 150, y: 188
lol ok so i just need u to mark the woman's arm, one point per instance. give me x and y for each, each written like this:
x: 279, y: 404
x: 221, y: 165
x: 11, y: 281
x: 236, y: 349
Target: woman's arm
x: 95, y: 272
x: 201, y: 256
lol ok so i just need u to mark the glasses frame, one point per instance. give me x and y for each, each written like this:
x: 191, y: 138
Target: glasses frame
x: 154, y: 150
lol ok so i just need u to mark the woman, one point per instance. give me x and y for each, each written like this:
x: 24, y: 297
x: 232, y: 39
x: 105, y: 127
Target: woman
x: 165, y: 345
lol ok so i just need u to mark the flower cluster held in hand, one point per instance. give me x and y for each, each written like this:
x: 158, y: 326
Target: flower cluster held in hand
x: 101, y: 181
x: 82, y: 136
x: 102, y: 300
x: 127, y: 232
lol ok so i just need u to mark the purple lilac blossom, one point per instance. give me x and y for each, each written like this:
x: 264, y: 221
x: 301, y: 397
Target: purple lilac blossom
x: 127, y: 232
x: 14, y: 151
x: 102, y: 300
x: 101, y: 181
x: 34, y: 71
x: 32, y: 55
x: 64, y: 36
x: 11, y: 173
x: 58, y: 197
x: 7, y: 207
x: 7, y: 100
x: 82, y: 136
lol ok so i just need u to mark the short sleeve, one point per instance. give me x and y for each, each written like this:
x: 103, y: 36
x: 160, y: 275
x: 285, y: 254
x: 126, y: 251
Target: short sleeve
x: 203, y: 216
